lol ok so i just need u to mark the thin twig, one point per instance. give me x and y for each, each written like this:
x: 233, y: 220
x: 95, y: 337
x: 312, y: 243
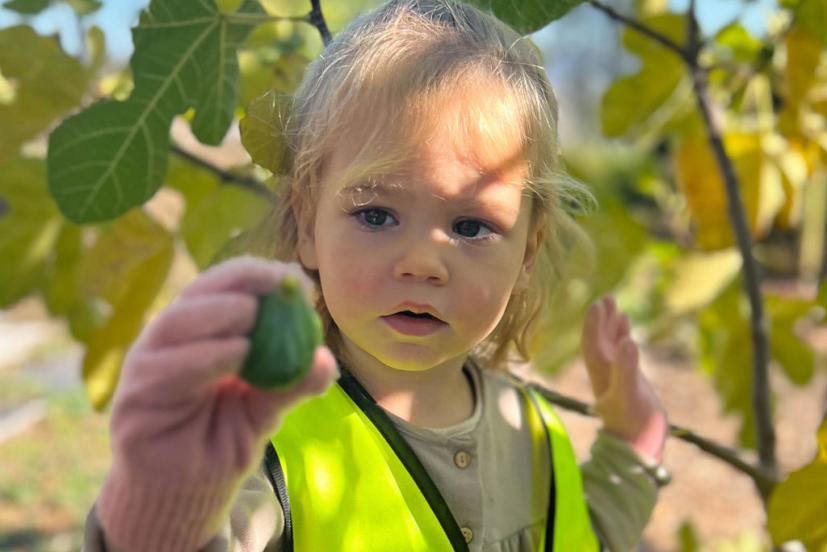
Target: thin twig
x: 643, y: 29
x: 317, y: 20
x: 245, y: 182
x: 692, y: 45
x: 752, y: 280
x: 752, y: 277
x: 763, y: 480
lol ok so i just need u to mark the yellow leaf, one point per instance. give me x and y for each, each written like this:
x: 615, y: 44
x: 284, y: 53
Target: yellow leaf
x: 699, y: 179
x: 700, y: 277
x: 132, y: 260
x: 797, y: 506
x: 803, y: 56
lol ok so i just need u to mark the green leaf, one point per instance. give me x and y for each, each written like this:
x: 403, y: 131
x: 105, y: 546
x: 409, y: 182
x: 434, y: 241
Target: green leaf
x: 527, y: 16
x: 43, y: 91
x: 726, y: 355
x: 29, y: 227
x: 216, y: 213
x: 27, y: 7
x: 738, y: 43
x: 794, y: 355
x: 796, y: 507
x: 126, y: 267
x: 61, y: 291
x: 112, y: 156
x: 631, y: 100
x: 262, y: 130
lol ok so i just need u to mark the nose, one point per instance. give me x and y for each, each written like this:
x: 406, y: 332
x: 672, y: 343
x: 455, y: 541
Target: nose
x: 422, y: 259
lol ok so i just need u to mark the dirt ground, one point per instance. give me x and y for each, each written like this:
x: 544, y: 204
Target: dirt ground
x: 51, y: 466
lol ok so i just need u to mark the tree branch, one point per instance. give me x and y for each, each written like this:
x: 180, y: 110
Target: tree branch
x: 643, y: 29
x: 752, y: 279
x: 762, y: 478
x: 317, y: 20
x: 247, y: 183
x: 692, y: 45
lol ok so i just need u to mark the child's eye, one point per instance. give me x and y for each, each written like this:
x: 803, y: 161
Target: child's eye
x: 469, y: 228
x: 373, y: 217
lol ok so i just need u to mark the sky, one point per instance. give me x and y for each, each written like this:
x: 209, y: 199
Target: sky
x: 580, y: 64
x: 117, y: 16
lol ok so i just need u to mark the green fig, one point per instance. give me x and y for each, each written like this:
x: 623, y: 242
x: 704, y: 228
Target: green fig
x: 284, y: 339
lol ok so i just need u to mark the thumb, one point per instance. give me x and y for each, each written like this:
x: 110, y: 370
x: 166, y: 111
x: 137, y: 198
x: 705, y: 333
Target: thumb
x: 266, y: 407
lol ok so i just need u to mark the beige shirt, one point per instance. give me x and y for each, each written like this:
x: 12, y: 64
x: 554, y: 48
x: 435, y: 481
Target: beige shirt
x: 484, y: 469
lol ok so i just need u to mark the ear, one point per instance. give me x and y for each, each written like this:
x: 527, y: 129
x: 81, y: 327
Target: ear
x: 306, y: 246
x: 533, y: 243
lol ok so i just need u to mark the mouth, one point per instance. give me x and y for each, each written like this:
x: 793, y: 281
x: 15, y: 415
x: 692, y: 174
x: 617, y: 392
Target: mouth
x: 416, y: 315
x: 412, y: 323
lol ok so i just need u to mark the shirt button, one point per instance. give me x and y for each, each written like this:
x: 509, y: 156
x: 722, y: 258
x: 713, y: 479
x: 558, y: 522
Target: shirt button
x: 462, y: 459
x: 468, y: 534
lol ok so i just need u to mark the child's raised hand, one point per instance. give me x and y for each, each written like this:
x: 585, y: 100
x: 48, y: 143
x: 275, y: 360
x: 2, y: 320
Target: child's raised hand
x: 624, y: 399
x: 185, y: 428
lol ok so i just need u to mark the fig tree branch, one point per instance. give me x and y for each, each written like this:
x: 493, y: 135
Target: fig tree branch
x: 763, y: 479
x: 315, y: 18
x: 641, y: 28
x: 752, y: 278
x: 245, y: 182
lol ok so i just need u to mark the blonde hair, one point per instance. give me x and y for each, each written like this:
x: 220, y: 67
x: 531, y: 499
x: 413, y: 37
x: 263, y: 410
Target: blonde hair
x: 403, y: 60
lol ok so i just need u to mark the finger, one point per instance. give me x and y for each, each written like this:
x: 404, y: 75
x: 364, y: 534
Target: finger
x: 597, y: 363
x: 202, y: 317
x: 610, y: 305
x: 265, y: 408
x: 623, y: 328
x: 248, y: 274
x: 612, y: 322
x: 626, y: 372
x: 183, y: 371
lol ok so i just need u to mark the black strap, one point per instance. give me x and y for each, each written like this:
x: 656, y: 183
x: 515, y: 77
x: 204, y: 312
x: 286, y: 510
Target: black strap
x: 272, y: 467
x: 406, y: 455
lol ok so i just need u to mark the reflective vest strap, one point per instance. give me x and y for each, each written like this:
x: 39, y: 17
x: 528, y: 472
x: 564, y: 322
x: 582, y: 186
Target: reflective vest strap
x: 539, y: 447
x: 572, y: 526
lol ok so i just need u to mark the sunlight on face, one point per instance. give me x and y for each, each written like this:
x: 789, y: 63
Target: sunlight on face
x: 446, y: 228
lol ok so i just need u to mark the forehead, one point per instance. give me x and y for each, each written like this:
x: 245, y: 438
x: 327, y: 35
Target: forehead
x: 465, y: 139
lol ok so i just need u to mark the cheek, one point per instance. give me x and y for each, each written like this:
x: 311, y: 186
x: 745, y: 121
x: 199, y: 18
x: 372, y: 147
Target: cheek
x: 484, y: 296
x: 349, y: 272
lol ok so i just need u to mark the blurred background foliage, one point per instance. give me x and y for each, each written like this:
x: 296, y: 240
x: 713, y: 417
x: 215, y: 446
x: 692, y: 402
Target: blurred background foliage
x: 94, y: 220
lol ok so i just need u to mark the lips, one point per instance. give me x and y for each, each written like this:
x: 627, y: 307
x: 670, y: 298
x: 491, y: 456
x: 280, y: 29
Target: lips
x: 415, y: 319
x: 417, y: 310
x: 412, y: 325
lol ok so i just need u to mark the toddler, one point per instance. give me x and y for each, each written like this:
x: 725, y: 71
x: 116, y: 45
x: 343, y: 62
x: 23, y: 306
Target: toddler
x: 424, y: 213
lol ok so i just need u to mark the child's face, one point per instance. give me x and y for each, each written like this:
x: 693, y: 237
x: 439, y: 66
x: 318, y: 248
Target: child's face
x: 453, y: 238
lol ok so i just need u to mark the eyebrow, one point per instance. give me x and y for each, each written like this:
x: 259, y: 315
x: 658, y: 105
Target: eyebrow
x: 381, y: 188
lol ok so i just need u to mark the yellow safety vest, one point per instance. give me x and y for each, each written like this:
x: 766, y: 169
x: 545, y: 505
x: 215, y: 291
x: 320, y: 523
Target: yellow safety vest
x: 347, y: 480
